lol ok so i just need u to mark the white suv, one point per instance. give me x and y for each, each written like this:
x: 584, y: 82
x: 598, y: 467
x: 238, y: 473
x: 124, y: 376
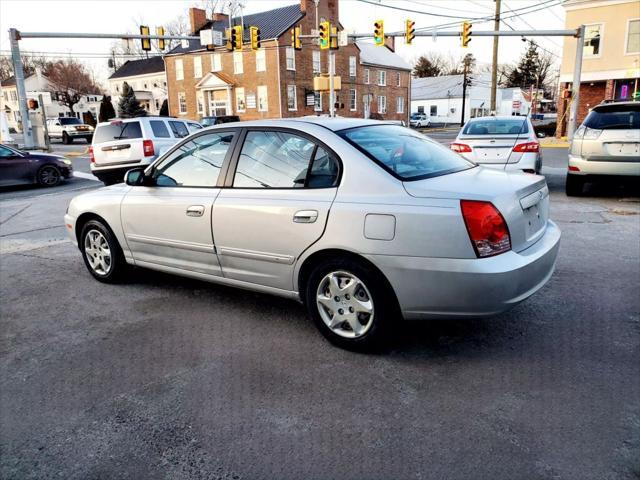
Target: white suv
x: 68, y: 129
x: 122, y: 144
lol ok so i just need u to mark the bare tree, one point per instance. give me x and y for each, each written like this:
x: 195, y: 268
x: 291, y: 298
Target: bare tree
x: 214, y: 6
x: 71, y: 80
x: 29, y: 65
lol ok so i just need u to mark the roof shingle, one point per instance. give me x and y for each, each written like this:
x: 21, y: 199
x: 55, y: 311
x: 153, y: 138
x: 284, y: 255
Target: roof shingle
x: 145, y: 66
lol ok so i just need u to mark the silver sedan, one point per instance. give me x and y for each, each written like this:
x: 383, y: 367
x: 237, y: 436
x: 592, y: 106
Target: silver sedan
x: 365, y: 222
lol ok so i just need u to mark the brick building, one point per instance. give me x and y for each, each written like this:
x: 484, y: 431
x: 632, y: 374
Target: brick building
x: 277, y: 81
x: 611, y: 54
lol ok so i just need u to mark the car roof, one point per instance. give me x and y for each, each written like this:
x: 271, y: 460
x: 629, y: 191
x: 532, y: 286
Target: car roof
x: 148, y: 117
x: 500, y: 117
x: 333, y: 124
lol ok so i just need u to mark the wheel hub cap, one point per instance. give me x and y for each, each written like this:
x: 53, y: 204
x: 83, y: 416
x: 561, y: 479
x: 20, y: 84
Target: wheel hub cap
x: 96, y: 249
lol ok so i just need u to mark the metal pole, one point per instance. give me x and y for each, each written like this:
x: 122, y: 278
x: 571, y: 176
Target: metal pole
x: 482, y: 33
x: 575, y: 88
x: 47, y: 140
x: 18, y: 71
x: 332, y: 106
x: 464, y: 93
x: 494, y: 64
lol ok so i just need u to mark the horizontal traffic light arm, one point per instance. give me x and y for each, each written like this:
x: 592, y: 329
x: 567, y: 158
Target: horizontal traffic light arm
x: 487, y: 33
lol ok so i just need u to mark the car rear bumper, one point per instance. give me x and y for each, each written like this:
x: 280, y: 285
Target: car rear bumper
x: 589, y: 167
x: 449, y: 288
x: 528, y: 161
x: 118, y: 169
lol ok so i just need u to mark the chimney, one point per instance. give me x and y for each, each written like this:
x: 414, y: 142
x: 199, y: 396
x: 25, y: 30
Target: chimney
x: 220, y: 17
x: 391, y: 43
x: 197, y: 19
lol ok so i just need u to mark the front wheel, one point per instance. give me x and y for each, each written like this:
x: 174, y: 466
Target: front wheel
x: 101, y: 252
x: 351, y: 304
x: 66, y: 139
x: 49, y: 176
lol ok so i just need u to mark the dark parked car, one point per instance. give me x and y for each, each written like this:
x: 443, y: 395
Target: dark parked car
x: 18, y: 167
x: 209, y: 121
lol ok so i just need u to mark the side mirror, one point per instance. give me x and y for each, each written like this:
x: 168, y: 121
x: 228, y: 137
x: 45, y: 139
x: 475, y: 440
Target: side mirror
x: 134, y: 177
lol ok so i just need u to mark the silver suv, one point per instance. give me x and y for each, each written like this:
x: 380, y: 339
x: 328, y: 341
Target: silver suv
x: 68, y: 129
x: 607, y: 144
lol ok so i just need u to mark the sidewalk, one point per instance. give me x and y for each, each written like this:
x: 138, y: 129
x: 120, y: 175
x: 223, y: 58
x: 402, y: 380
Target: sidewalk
x: 553, y: 142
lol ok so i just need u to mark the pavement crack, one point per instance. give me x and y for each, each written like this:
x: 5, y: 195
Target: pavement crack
x: 30, y: 231
x: 15, y: 214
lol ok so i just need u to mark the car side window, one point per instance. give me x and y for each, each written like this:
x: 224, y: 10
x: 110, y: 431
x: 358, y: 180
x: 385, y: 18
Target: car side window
x: 159, y: 129
x: 179, y: 129
x: 5, y: 152
x: 324, y: 170
x: 195, y: 163
x: 273, y: 159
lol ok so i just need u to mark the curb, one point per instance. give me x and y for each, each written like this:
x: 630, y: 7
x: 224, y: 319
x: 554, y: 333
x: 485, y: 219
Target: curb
x: 554, y: 145
x: 76, y: 154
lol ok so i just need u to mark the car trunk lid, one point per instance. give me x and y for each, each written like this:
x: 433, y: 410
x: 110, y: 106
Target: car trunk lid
x: 118, y: 143
x: 522, y: 199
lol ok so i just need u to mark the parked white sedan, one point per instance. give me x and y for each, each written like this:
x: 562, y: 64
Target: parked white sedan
x: 363, y: 221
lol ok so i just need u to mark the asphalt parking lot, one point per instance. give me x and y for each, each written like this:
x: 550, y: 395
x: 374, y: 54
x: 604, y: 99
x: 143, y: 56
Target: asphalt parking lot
x: 164, y: 377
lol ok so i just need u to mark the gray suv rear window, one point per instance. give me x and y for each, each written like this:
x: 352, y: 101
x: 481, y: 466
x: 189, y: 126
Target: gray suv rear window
x: 159, y: 129
x: 117, y: 131
x: 614, y: 117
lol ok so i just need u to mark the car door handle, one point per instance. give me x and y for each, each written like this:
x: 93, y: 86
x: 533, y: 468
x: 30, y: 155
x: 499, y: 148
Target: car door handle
x: 305, y: 216
x: 195, y: 211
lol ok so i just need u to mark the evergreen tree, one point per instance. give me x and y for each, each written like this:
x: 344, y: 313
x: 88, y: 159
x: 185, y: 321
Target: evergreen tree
x: 526, y: 72
x: 106, y: 112
x: 427, y: 67
x: 129, y: 107
x: 164, y: 109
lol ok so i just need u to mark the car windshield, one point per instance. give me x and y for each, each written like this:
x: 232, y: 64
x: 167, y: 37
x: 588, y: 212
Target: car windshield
x: 208, y: 121
x: 416, y: 116
x: 614, y: 117
x: 497, y: 126
x: 405, y: 154
x: 117, y: 131
x: 70, y: 121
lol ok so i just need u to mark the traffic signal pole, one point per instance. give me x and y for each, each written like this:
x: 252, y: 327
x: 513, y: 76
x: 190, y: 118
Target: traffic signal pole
x: 575, y: 86
x: 18, y: 73
x: 494, y: 64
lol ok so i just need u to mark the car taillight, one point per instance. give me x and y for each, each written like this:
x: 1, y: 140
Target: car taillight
x: 487, y: 228
x: 527, y: 147
x: 460, y: 147
x: 92, y: 159
x: 147, y: 147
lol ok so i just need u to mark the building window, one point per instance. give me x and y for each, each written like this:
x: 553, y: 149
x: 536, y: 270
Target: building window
x: 317, y: 101
x: 367, y: 76
x: 292, y: 102
x: 400, y: 105
x: 291, y: 58
x: 197, y: 68
x: 216, y: 62
x: 382, y: 78
x: 179, y: 69
x: 633, y: 36
x: 182, y: 103
x: 433, y: 111
x: 353, y: 106
x: 317, y: 66
x: 352, y: 66
x: 398, y: 79
x: 263, y: 104
x: 261, y: 60
x: 382, y: 104
x: 14, y: 96
x: 241, y: 105
x: 237, y: 63
x: 200, y: 102
x: 592, y: 40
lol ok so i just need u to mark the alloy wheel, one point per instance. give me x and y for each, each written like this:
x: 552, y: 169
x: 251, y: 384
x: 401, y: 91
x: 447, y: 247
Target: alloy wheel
x: 49, y: 176
x: 97, y: 251
x: 345, y: 304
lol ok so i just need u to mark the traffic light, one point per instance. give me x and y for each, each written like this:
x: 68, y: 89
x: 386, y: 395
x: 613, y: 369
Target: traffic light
x: 409, y: 32
x: 378, y: 33
x: 160, y: 33
x: 333, y: 41
x: 236, y: 38
x: 325, y: 32
x: 254, y: 33
x: 229, y: 33
x: 296, y: 41
x: 146, y: 43
x: 466, y: 34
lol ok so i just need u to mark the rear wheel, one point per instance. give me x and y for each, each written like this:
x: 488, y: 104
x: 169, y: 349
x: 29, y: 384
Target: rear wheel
x: 101, y: 252
x: 350, y: 303
x: 49, y: 176
x: 574, y: 185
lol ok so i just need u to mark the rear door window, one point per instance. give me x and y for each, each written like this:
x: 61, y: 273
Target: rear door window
x: 491, y: 126
x: 159, y: 129
x: 117, y: 131
x: 179, y: 129
x: 615, y: 117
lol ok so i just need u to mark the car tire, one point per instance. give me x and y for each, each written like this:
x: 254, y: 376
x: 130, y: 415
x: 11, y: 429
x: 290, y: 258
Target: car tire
x: 574, y: 186
x: 66, y: 139
x: 336, y: 290
x: 101, y: 252
x: 48, y: 176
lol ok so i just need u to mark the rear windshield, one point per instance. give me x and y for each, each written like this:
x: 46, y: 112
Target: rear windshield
x: 614, y: 117
x: 405, y: 154
x: 416, y: 116
x: 494, y: 126
x: 70, y: 121
x: 117, y: 131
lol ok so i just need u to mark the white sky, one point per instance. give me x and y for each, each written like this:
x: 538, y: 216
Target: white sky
x: 115, y: 16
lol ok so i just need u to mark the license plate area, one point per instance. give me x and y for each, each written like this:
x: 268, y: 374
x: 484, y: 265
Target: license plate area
x: 491, y: 154
x: 535, y: 209
x: 623, y: 149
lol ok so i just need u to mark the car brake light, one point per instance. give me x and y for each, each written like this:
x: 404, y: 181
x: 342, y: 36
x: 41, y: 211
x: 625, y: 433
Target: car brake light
x: 147, y: 147
x: 487, y: 228
x: 460, y: 147
x: 527, y: 147
x: 573, y: 169
x: 92, y: 159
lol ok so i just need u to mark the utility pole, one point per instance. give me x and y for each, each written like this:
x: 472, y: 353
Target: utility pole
x: 494, y: 64
x: 332, y: 92
x: 575, y: 86
x: 18, y: 71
